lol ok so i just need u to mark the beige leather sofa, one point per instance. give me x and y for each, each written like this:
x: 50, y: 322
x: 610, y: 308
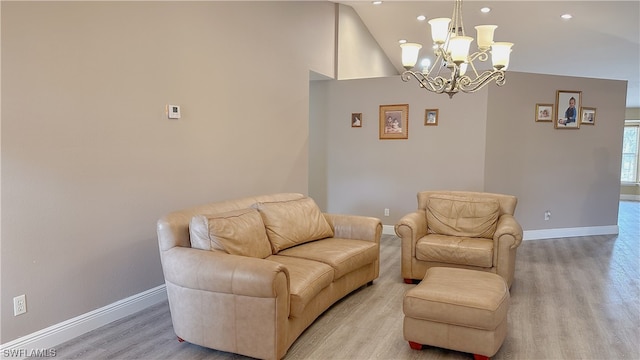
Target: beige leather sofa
x: 248, y: 276
x: 472, y: 230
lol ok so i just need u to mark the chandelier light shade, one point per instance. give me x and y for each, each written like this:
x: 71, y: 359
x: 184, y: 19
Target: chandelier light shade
x: 410, y: 53
x: 448, y: 73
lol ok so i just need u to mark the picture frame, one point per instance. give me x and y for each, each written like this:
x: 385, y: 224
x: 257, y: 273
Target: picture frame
x: 567, y: 119
x: 588, y: 116
x: 394, y: 122
x: 544, y: 113
x: 431, y: 117
x: 356, y: 120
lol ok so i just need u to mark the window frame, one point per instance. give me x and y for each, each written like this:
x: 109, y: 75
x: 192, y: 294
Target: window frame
x: 632, y: 123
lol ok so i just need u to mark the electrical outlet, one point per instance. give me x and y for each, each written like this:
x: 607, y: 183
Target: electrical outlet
x: 19, y: 305
x: 386, y: 211
x: 547, y: 215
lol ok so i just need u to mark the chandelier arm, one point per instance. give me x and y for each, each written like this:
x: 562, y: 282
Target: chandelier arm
x: 467, y: 85
x: 441, y: 58
x: 480, y: 56
x: 473, y: 67
x: 436, y: 84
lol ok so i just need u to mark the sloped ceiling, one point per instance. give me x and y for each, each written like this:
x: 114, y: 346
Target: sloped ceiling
x: 602, y: 40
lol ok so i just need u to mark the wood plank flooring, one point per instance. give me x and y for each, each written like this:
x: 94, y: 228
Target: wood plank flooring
x: 572, y: 298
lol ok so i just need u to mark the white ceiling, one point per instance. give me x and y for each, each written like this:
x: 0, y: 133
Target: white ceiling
x: 602, y: 40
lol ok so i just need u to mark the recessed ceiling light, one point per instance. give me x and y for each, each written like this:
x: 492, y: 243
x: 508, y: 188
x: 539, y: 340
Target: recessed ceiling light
x: 421, y: 18
x: 566, y: 16
x: 402, y: 41
x: 376, y: 2
x: 485, y: 9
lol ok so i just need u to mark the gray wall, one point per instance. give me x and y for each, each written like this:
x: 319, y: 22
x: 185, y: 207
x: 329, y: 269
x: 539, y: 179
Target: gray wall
x: 359, y: 55
x: 573, y: 173
x: 366, y: 175
x: 89, y: 159
x: 487, y: 141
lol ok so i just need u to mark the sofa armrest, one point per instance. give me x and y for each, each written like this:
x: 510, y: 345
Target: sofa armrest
x: 355, y: 227
x: 225, y: 273
x: 508, y: 226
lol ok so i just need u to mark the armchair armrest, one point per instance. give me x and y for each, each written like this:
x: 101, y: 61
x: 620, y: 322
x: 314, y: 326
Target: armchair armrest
x: 508, y: 225
x: 225, y: 273
x: 412, y: 226
x: 355, y: 227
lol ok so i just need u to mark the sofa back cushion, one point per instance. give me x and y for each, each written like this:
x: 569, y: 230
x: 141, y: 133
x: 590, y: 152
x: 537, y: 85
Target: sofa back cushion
x: 462, y: 216
x: 237, y: 232
x: 293, y: 222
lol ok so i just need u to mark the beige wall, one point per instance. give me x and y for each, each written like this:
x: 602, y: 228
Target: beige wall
x: 573, y: 173
x: 366, y: 175
x: 359, y: 55
x: 89, y: 159
x: 486, y: 141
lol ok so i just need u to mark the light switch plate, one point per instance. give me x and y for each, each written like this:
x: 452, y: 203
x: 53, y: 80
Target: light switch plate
x: 174, y: 111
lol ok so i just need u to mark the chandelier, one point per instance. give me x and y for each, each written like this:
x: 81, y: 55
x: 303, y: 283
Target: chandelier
x: 448, y: 73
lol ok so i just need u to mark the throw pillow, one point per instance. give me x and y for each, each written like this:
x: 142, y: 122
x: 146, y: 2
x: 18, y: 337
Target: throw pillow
x: 238, y: 232
x: 462, y: 216
x: 293, y: 222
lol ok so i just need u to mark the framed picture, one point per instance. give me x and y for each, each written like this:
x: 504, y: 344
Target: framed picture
x: 544, y: 112
x: 567, y: 105
x: 588, y: 116
x: 394, y: 121
x: 356, y: 120
x: 430, y: 117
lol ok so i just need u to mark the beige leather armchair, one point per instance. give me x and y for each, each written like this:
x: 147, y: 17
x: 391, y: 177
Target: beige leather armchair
x: 462, y: 229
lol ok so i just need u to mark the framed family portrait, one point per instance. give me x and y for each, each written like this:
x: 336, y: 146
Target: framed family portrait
x: 588, y: 116
x: 356, y: 120
x: 567, y: 114
x: 431, y: 117
x: 544, y: 112
x: 394, y: 121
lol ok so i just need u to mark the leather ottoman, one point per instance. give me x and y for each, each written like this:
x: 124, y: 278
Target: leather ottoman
x: 457, y: 309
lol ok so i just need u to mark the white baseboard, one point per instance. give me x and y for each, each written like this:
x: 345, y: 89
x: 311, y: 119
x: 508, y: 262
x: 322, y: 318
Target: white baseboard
x: 57, y: 334
x: 629, y: 197
x: 547, y: 233
x: 569, y: 232
x: 388, y: 230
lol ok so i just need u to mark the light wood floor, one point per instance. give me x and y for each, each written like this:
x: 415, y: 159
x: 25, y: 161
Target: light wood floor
x: 572, y: 298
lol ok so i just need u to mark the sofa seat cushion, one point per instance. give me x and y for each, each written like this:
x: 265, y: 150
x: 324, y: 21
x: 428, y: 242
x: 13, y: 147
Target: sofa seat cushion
x: 306, y: 279
x: 237, y: 232
x: 455, y: 250
x: 293, y: 222
x: 462, y: 215
x: 343, y: 255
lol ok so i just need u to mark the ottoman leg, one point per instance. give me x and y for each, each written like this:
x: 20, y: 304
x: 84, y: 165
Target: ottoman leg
x: 415, y: 345
x: 480, y: 357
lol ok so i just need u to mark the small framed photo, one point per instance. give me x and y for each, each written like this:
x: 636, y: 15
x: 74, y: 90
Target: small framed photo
x: 394, y: 121
x: 567, y: 104
x: 588, y: 116
x: 356, y: 120
x: 430, y: 117
x: 544, y: 112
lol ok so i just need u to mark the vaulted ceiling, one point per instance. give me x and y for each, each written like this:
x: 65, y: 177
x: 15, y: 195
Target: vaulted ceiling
x: 602, y: 40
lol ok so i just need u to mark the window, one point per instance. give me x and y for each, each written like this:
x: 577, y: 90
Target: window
x: 630, y: 154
